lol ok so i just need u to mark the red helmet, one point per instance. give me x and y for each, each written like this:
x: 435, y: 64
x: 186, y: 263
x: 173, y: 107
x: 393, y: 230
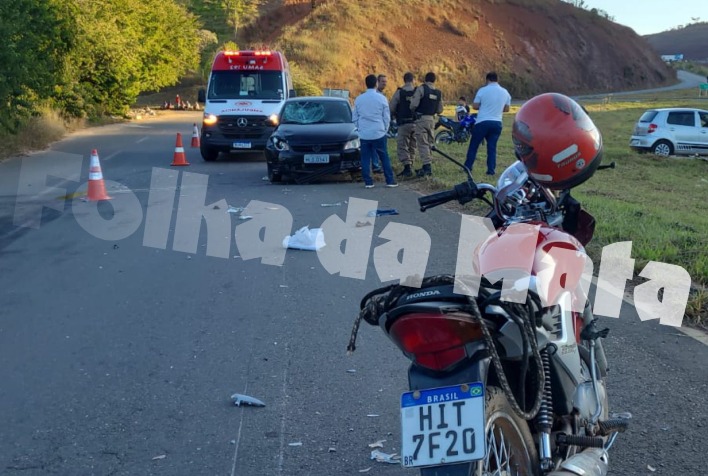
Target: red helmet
x: 557, y: 141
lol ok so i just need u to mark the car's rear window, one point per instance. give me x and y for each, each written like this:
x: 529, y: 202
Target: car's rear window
x: 648, y: 116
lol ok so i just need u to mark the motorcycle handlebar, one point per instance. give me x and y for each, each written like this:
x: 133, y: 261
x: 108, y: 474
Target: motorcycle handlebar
x: 463, y: 193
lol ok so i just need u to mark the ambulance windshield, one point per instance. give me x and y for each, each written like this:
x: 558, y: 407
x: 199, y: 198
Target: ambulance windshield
x: 246, y: 85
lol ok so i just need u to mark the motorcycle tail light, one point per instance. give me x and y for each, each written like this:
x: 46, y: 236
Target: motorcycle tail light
x: 578, y: 324
x: 435, y: 341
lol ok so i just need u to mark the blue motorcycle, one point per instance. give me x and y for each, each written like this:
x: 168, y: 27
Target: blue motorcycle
x: 454, y: 131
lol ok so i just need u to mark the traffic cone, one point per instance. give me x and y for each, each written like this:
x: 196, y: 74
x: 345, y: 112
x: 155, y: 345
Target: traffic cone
x: 195, y: 136
x: 96, y: 185
x: 179, y: 158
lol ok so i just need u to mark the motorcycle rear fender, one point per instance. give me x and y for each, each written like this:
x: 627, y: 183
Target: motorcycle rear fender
x: 473, y: 370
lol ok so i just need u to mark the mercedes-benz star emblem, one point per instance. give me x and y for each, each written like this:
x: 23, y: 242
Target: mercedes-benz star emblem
x: 242, y: 122
x: 316, y: 148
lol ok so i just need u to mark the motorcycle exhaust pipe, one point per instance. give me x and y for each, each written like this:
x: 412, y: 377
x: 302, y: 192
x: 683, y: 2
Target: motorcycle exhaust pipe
x: 591, y: 462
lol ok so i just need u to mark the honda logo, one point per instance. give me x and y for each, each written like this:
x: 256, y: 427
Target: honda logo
x: 242, y: 122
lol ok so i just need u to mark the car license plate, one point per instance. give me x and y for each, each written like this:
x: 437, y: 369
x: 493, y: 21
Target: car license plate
x: 442, y: 425
x: 316, y: 159
x: 242, y: 145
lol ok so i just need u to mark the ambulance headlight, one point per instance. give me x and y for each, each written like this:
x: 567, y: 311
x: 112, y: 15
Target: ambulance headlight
x: 272, y: 120
x: 210, y: 119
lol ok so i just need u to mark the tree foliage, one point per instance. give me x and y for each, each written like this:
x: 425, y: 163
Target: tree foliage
x: 90, y: 56
x: 31, y: 64
x: 239, y: 12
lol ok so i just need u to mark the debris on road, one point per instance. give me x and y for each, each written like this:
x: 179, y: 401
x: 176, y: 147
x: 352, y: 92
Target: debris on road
x: 361, y: 224
x: 382, y: 211
x: 246, y: 400
x: 373, y: 415
x: 234, y: 210
x: 365, y: 470
x: 245, y: 217
x: 332, y: 449
x: 382, y: 457
x: 351, y: 371
x: 377, y: 444
x: 216, y: 207
x: 296, y: 443
x: 338, y: 204
x: 159, y: 457
x: 651, y: 468
x: 305, y: 239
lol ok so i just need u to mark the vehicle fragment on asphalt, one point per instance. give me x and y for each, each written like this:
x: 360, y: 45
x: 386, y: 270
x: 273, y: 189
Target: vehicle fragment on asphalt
x: 246, y: 400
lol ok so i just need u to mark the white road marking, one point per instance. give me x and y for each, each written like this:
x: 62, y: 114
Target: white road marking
x: 109, y: 157
x: 141, y: 139
x: 284, y: 412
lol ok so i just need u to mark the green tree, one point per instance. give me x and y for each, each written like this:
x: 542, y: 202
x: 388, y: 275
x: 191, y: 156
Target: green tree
x: 240, y: 12
x: 36, y: 37
x: 125, y: 47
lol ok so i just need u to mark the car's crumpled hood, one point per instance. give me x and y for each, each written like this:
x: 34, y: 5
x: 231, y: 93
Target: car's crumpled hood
x: 316, y: 133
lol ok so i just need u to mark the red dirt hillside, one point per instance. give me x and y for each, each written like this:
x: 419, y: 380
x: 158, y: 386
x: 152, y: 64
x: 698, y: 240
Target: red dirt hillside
x: 534, y: 45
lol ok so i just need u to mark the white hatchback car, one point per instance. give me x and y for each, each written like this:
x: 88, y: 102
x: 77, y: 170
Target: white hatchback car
x: 671, y: 131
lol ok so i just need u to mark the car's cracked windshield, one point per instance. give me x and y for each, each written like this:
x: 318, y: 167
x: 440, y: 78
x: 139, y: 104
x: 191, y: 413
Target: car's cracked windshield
x: 313, y: 112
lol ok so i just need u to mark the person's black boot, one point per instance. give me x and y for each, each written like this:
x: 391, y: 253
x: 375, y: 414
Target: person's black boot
x: 425, y: 171
x: 407, y: 172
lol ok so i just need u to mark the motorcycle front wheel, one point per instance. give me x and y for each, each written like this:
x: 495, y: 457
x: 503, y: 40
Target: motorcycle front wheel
x: 444, y: 137
x: 510, y: 447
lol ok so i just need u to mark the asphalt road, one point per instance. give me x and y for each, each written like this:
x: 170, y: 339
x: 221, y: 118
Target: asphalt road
x: 121, y: 345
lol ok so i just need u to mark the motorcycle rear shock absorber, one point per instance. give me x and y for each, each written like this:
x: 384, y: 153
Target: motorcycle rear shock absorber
x: 544, y: 419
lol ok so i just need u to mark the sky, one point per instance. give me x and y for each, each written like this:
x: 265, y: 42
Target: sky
x: 652, y: 16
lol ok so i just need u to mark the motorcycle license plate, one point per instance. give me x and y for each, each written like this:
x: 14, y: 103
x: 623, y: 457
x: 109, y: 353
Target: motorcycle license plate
x: 442, y: 425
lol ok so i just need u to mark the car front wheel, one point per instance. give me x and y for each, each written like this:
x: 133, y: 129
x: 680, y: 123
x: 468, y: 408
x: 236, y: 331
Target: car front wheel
x: 272, y: 176
x: 663, y: 148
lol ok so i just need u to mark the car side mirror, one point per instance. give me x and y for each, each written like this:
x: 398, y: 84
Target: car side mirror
x: 201, y: 95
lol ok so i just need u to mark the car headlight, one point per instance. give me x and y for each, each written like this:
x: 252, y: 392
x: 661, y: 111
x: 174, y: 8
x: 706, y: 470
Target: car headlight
x: 210, y: 119
x: 279, y: 143
x: 352, y: 144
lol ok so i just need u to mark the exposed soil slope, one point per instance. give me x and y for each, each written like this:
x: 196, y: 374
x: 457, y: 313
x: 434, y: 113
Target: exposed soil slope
x: 535, y: 45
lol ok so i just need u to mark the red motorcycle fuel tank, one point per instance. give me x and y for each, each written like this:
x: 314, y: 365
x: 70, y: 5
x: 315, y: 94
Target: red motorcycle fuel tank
x: 522, y: 249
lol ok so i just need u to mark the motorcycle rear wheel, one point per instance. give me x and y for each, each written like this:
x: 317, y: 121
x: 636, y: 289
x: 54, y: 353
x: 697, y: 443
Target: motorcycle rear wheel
x: 510, y: 447
x: 444, y: 137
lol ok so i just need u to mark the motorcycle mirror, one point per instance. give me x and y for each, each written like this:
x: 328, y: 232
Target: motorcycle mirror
x: 462, y: 166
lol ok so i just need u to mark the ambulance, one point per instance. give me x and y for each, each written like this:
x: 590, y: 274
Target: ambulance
x: 245, y: 93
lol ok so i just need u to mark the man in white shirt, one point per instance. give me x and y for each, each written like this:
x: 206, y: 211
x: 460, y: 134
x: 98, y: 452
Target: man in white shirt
x: 372, y: 117
x: 491, y: 101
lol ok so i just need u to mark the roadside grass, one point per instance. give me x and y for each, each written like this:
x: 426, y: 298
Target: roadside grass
x: 37, y: 133
x: 656, y: 203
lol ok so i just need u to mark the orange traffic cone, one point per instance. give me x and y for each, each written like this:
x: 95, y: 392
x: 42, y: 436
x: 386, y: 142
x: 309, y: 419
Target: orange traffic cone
x: 195, y: 136
x: 96, y: 185
x: 179, y: 158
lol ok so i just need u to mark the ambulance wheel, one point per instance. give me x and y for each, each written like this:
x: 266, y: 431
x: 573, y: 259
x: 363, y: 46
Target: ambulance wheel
x: 209, y: 154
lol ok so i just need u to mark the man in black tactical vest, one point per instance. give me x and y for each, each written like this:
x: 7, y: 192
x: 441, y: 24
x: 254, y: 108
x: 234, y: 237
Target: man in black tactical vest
x: 400, y: 106
x: 425, y: 104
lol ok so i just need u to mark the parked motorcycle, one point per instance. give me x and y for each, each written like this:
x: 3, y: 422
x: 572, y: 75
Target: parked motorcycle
x: 455, y: 131
x: 500, y: 388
